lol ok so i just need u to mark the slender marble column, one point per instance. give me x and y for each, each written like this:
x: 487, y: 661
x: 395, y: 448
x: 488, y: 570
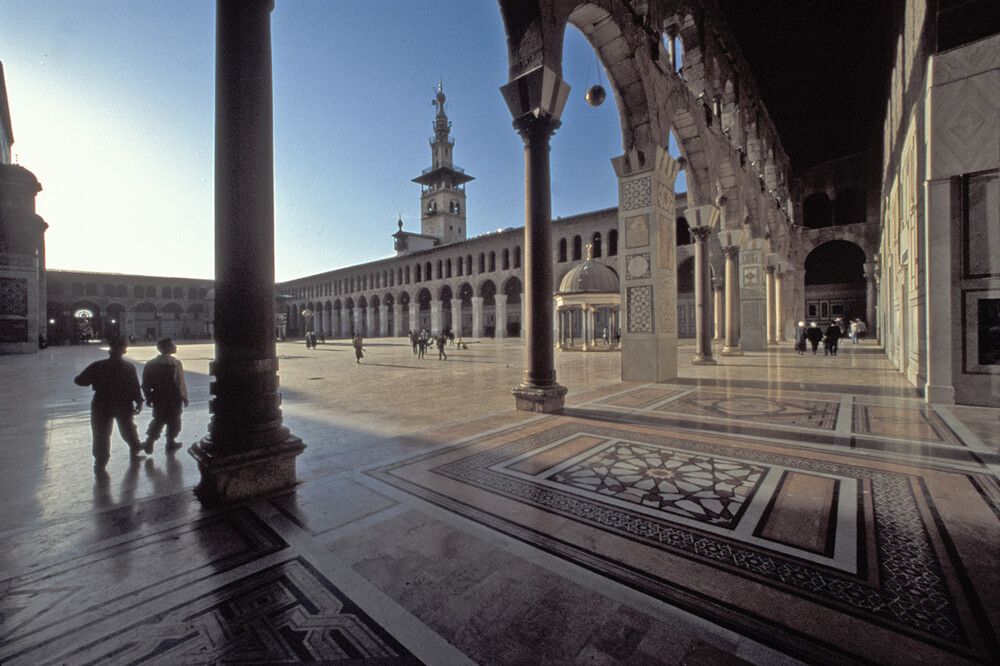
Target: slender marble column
x: 456, y: 317
x: 500, y: 312
x: 719, y: 303
x: 247, y: 451
x: 703, y: 328
x: 415, y: 316
x: 435, y: 318
x: 383, y: 321
x: 769, y: 304
x: 397, y: 319
x: 477, y: 316
x: 779, y: 306
x: 732, y: 346
x: 869, y: 269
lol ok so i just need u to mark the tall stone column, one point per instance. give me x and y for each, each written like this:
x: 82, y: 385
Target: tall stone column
x: 536, y: 100
x: 647, y: 244
x: 337, y: 324
x: 247, y: 451
x: 477, y: 316
x: 456, y: 317
x: 397, y: 319
x: 702, y: 281
x: 501, y: 314
x: 435, y: 318
x: 779, y: 304
x: 415, y: 316
x: 769, y: 304
x: 383, y: 321
x: 731, y: 249
x: 719, y: 305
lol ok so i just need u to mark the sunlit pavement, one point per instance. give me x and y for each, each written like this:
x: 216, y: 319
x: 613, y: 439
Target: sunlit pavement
x: 441, y: 563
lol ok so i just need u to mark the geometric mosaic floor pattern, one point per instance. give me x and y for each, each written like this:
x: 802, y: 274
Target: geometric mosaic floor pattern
x: 824, y: 557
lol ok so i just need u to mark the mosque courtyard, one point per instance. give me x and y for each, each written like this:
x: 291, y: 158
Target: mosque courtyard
x: 773, y: 508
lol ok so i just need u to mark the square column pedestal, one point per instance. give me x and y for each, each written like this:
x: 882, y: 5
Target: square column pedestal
x: 245, y: 474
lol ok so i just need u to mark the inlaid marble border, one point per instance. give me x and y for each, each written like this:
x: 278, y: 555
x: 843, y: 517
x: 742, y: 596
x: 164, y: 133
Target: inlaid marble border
x: 905, y: 591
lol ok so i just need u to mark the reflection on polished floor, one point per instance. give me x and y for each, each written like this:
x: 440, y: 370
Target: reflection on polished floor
x: 772, y: 509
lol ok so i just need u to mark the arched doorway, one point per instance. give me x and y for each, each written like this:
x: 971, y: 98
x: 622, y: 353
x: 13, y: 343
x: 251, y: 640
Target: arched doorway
x: 835, y: 282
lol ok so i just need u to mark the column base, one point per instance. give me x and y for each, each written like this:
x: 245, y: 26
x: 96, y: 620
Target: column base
x: 731, y: 351
x: 238, y: 476
x: 534, y: 399
x: 939, y: 395
x: 703, y: 360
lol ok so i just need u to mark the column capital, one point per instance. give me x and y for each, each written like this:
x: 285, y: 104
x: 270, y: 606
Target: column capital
x: 731, y: 252
x: 771, y: 269
x: 701, y: 234
x: 538, y: 94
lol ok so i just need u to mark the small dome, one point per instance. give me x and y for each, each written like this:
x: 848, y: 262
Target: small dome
x: 589, y: 277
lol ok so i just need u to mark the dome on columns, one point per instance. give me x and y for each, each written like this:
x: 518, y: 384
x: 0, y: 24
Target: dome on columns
x: 589, y: 277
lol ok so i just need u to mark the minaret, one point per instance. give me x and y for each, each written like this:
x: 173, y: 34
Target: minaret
x: 442, y: 197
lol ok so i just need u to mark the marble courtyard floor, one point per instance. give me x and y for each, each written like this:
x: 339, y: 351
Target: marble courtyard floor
x: 772, y: 509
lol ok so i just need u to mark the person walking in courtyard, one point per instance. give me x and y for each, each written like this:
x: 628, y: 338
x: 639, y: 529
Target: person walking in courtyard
x: 441, y: 342
x: 359, y: 348
x: 166, y: 392
x: 832, y: 339
x: 814, y: 334
x: 421, y: 346
x: 800, y: 338
x: 117, y: 399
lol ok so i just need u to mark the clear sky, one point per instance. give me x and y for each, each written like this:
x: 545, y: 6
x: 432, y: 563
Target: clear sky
x: 112, y: 106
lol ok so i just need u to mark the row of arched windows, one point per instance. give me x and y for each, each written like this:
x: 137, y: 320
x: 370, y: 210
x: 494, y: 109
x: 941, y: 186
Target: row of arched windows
x: 441, y: 269
x: 572, y: 249
x: 58, y: 288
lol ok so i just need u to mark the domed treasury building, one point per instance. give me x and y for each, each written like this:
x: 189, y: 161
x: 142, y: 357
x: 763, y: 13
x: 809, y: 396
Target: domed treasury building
x: 692, y: 491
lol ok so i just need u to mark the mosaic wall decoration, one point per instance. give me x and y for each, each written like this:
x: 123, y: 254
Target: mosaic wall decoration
x: 640, y: 309
x: 751, y: 276
x: 668, y: 240
x: 637, y: 266
x: 636, y: 193
x: 13, y: 330
x: 751, y: 313
x: 637, y: 231
x: 14, y: 297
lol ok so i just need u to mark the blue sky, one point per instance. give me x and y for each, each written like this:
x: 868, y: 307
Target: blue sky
x: 112, y: 105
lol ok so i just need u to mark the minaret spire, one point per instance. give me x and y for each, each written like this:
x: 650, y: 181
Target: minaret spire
x: 442, y: 198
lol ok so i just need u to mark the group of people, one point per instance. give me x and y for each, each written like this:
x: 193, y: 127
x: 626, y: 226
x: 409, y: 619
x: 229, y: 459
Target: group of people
x: 813, y: 335
x: 312, y: 340
x: 422, y: 340
x: 118, y: 397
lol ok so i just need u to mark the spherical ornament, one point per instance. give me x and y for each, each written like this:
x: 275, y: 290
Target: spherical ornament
x: 596, y: 95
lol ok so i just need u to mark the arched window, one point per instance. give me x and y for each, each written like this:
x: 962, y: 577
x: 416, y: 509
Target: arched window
x: 596, y: 245
x: 166, y: 292
x: 517, y: 256
x: 505, y: 259
x: 493, y: 261
x: 562, y: 250
x: 416, y: 273
x: 482, y: 263
x: 577, y: 248
x: 817, y: 212
x: 613, y: 243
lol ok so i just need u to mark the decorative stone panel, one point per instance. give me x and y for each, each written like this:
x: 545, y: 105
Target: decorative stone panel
x: 636, y: 193
x: 637, y: 266
x: 637, y: 231
x: 639, y: 309
x: 14, y: 297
